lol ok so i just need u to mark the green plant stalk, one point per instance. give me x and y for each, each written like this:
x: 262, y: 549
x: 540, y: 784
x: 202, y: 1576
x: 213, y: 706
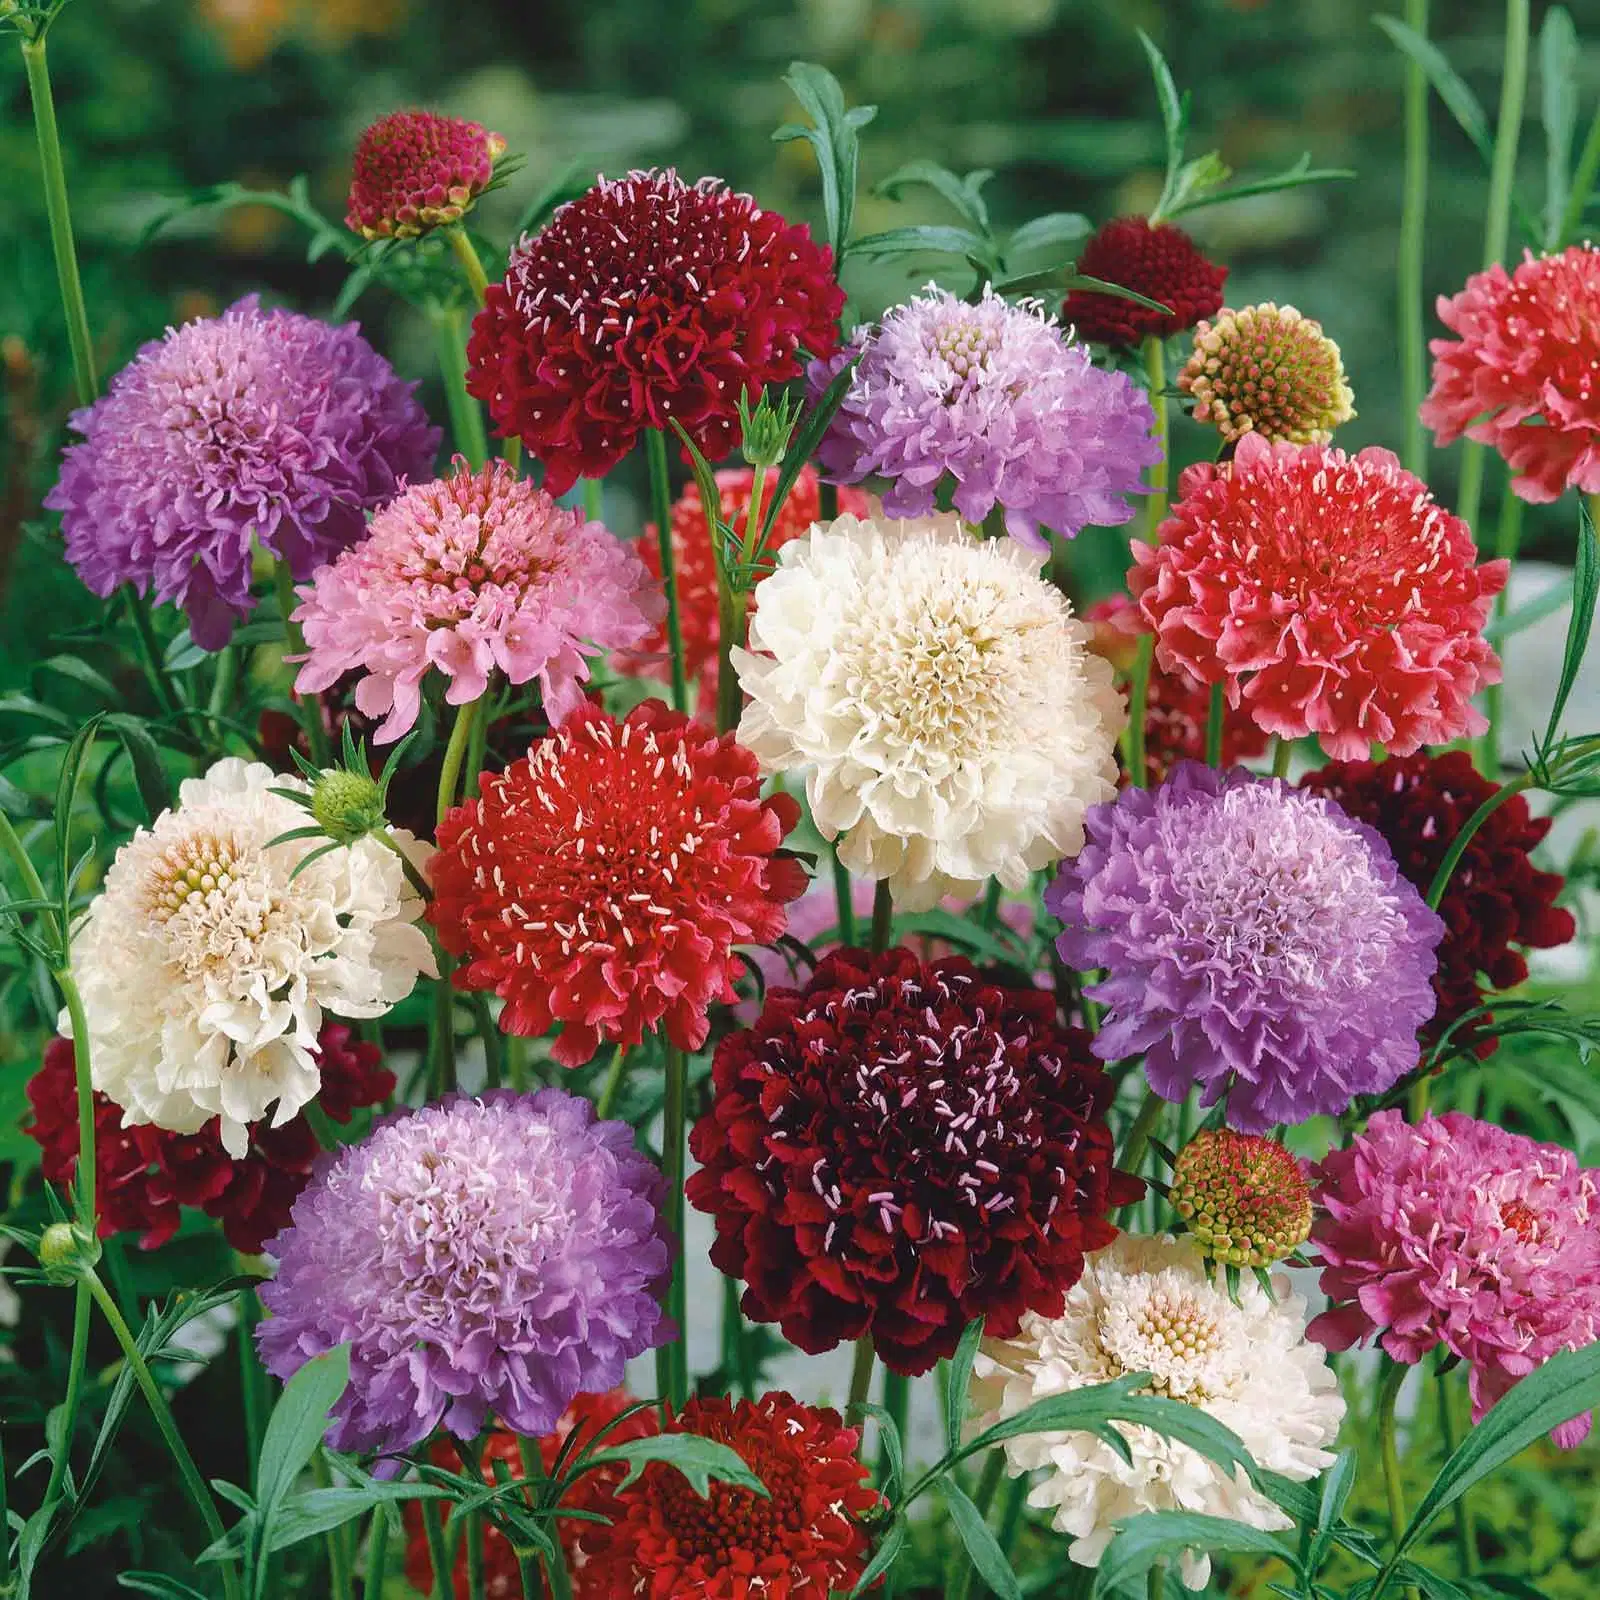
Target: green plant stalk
x: 1138, y: 700
x: 672, y: 1360
x: 733, y: 609
x: 490, y: 1036
x: 613, y: 1085
x: 860, y: 1383
x: 1413, y: 242
x: 5, y: 1522
x: 1134, y: 1146
x: 847, y: 906
x: 73, y: 1399
x: 341, y: 1579
x: 655, y: 446
x: 1155, y: 505
x: 466, y: 420
x: 1508, y: 535
x: 469, y: 1452
x: 1011, y: 1513
x: 735, y: 1345
x: 897, y: 1402
x: 455, y: 754
x: 593, y: 499
x: 1394, y: 1488
x: 1466, y: 1534
x: 1458, y: 845
x: 310, y: 705
x: 442, y: 1066
x: 467, y: 258
x: 1215, y: 715
x: 250, y: 1376
x: 1282, y: 750
x: 375, y: 1571
x: 958, y: 1583
x: 1584, y: 176
x: 882, y: 916
x: 438, y: 1555
x: 413, y: 875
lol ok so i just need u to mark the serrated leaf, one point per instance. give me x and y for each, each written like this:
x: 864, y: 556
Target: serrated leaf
x: 1585, y: 584
x: 699, y: 1460
x: 884, y: 1557
x: 957, y: 1380
x: 1558, y: 73
x: 1159, y: 1535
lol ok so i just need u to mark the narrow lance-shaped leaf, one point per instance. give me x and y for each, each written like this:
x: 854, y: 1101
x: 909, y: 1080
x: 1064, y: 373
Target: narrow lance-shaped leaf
x: 699, y: 1460
x: 1558, y: 71
x: 1161, y: 1535
x: 981, y: 1546
x: 1585, y: 583
x: 957, y: 1380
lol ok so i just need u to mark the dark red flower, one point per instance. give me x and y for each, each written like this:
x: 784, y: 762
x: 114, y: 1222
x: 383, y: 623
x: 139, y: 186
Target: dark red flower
x: 644, y: 301
x: 1496, y: 904
x: 144, y: 1175
x: 902, y: 1146
x: 417, y: 170
x: 1162, y: 263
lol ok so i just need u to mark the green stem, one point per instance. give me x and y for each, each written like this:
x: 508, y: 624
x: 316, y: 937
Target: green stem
x: 655, y: 445
x: 1214, y: 721
x: 85, y: 1172
x: 467, y: 257
x: 310, y: 705
x: 375, y: 1571
x: 983, y: 1499
x: 1458, y: 845
x: 489, y: 1035
x: 474, y: 1522
x: 672, y: 1360
x: 442, y: 1067
x: 155, y: 669
x: 438, y: 1555
x: 466, y: 419
x: 860, y: 1383
x: 1466, y: 1533
x: 413, y: 873
x: 341, y: 1576
x: 593, y: 499
x: 847, y: 905
x: 74, y: 1395
x: 222, y: 682
x: 607, y: 1103
x: 882, y: 916
x: 1583, y: 182
x: 1138, y: 700
x: 6, y: 1586
x: 1134, y: 1146
x: 1394, y: 1489
x: 1281, y: 752
x: 1011, y: 1513
x: 1508, y: 535
x: 1413, y: 242
x: 1155, y: 505
x: 897, y: 1402
x: 251, y: 1375
x: 455, y: 754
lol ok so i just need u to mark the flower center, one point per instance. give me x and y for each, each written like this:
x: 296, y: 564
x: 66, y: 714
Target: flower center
x: 191, y: 873
x: 1169, y: 1333
x: 1521, y: 1219
x: 965, y: 346
x: 731, y: 1520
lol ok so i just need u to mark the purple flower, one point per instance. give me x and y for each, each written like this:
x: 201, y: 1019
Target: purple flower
x: 252, y: 426
x: 994, y: 395
x: 492, y: 1255
x: 1255, y: 939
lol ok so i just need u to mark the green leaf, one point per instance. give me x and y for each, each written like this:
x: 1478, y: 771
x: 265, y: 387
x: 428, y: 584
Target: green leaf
x: 833, y: 138
x: 304, y: 1516
x: 145, y: 757
x: 1494, y: 1585
x: 1174, y: 108
x: 1558, y: 72
x: 699, y: 1460
x: 1295, y: 177
x: 805, y: 445
x: 80, y: 672
x: 962, y: 195
x: 1544, y: 604
x: 988, y: 1558
x: 296, y: 1426
x: 1159, y: 1535
x: 947, y: 926
x: 1082, y: 280
x: 1197, y: 179
x: 21, y: 705
x: 890, y: 1442
x: 157, y: 1583
x: 1044, y: 233
x: 924, y: 239
x: 956, y: 1381
x: 1461, y: 102
x: 1432, y: 1586
x: 1337, y: 1482
x: 182, y: 653
x: 1585, y: 584
x: 66, y: 798
x: 884, y: 1557
x: 574, y: 179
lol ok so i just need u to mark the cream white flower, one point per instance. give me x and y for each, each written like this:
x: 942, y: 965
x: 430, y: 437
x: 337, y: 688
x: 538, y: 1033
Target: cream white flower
x: 939, y: 694
x: 205, y: 964
x: 1150, y: 1305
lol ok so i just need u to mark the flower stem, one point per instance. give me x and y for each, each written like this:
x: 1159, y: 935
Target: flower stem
x: 438, y: 1556
x: 1466, y: 1531
x: 1282, y: 750
x: 1155, y: 505
x: 310, y: 705
x: 847, y: 905
x: 613, y: 1086
x: 861, y: 1380
x: 454, y: 758
x: 1214, y: 718
x: 655, y: 446
x: 1508, y: 535
x: 1394, y: 1490
x: 1458, y: 845
x: 69, y: 1406
x: 1583, y: 182
x: 897, y: 1402
x: 413, y: 874
x: 466, y: 420
x: 882, y: 916
x: 672, y: 1360
x: 1138, y: 699
x: 1413, y: 241
x: 467, y: 259
x: 736, y: 1354
x: 374, y: 1573
x: 1138, y: 1140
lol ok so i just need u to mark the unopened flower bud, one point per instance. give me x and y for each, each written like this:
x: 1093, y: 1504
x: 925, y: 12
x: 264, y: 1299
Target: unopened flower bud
x: 416, y: 171
x: 347, y: 805
x: 1244, y: 1198
x: 66, y: 1251
x: 767, y: 430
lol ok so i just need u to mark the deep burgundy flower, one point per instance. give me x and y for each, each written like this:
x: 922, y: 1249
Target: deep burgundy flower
x: 902, y: 1146
x: 1162, y: 263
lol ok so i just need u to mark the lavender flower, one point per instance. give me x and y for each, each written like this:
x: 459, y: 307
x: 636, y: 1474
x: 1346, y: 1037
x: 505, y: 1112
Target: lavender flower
x: 252, y: 426
x: 1255, y: 940
x: 996, y: 397
x: 499, y: 1254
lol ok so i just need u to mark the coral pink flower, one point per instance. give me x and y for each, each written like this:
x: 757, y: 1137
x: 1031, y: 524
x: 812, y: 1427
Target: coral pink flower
x: 1330, y: 593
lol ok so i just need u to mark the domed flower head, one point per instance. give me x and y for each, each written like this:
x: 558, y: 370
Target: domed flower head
x: 1256, y: 942
x: 900, y: 1147
x: 1162, y: 263
x: 208, y: 961
x: 801, y: 1541
x: 252, y: 427
x: 1330, y: 593
x: 1455, y: 1232
x: 1497, y: 902
x: 481, y: 1257
x: 1523, y: 373
x: 991, y: 399
x: 940, y: 696
x: 143, y: 1175
x: 471, y: 574
x: 1244, y: 1199
x: 416, y: 171
x: 643, y: 302
x: 603, y: 881
x: 1154, y: 1305
x: 1270, y: 371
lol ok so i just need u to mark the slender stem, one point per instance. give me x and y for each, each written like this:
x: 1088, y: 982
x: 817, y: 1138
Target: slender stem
x: 1138, y: 700
x: 672, y: 1360
x: 413, y: 873
x: 983, y: 1497
x: 655, y: 445
x: 310, y: 705
x: 1282, y: 750
x: 223, y: 680
x: 1011, y: 1513
x: 1583, y: 182
x: 1156, y: 1582
x: 490, y: 1037
x: 1394, y: 1489
x: 375, y: 1572
x: 897, y: 1402
x: 861, y: 1381
x: 847, y: 905
x: 438, y: 1556
x: 1155, y: 505
x: 1417, y: 1100
x: 474, y: 1522
x: 730, y: 693
x: 1413, y: 242
x: 1508, y: 535
x: 442, y: 1067
x: 1134, y: 1146
x: 341, y: 1576
x: 1466, y: 1533
x: 74, y: 1396
x: 882, y: 916
x: 454, y: 757
x: 150, y: 649
x: 466, y: 419
x: 467, y: 258
x: 593, y: 499
x: 1214, y: 721
x: 85, y: 1173
x: 736, y: 1342
x: 607, y: 1103
x: 6, y: 1586
x: 1458, y: 845
x: 250, y: 1376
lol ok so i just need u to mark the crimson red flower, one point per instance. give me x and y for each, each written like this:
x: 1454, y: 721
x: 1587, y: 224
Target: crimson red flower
x: 417, y: 170
x: 1330, y: 593
x: 1496, y: 899
x: 644, y: 301
x: 900, y: 1147
x: 143, y: 1175
x: 1162, y: 263
x: 603, y: 881
x: 802, y: 1541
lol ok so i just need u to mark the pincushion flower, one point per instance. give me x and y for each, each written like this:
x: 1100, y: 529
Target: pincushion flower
x: 1330, y: 593
x: 1256, y: 942
x: 643, y: 302
x: 1523, y: 373
x: 902, y: 1146
x: 1159, y: 261
x: 1452, y: 1231
x: 475, y: 573
x: 208, y: 961
x: 940, y: 697
x: 992, y: 399
x: 603, y: 881
x: 1152, y: 1305
x: 255, y: 427
x: 1244, y: 1199
x: 416, y: 171
x: 481, y: 1257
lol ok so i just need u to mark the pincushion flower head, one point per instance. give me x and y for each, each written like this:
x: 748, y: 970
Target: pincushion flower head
x: 1153, y: 1305
x: 1159, y: 261
x: 902, y: 1146
x: 1256, y: 943
x: 208, y: 962
x: 416, y: 171
x: 1523, y: 372
x: 1452, y: 1231
x: 993, y: 400
x: 1330, y: 593
x: 481, y: 1257
x: 255, y: 427
x: 603, y: 881
x: 940, y: 697
x: 643, y: 302
x: 1244, y: 1199
x: 474, y: 573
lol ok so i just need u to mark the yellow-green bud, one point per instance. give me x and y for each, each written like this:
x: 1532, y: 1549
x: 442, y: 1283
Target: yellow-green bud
x: 65, y: 1250
x: 347, y: 805
x: 1244, y: 1198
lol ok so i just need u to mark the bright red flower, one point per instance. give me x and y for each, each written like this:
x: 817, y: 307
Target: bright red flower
x: 417, y: 170
x: 1331, y: 594
x: 603, y: 881
x: 644, y: 301
x: 1162, y: 263
x: 902, y: 1146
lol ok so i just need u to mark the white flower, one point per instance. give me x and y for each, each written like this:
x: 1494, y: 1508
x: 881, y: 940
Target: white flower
x: 1150, y: 1305
x: 939, y: 692
x: 205, y: 965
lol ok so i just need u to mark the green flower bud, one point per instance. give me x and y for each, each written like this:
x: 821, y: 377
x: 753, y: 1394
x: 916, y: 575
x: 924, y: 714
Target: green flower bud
x: 347, y: 805
x: 767, y: 430
x: 1244, y: 1198
x: 66, y: 1251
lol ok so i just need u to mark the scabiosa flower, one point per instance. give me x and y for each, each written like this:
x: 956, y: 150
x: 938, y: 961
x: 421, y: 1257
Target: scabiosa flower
x: 472, y: 573
x: 642, y: 302
x: 1523, y: 375
x: 900, y: 1147
x: 493, y: 1256
x: 143, y: 1175
x: 209, y: 958
x: 941, y: 697
x: 1496, y: 904
x: 252, y: 427
x: 1267, y: 370
x: 1162, y: 263
x: 1453, y: 1231
x: 1330, y: 593
x: 1153, y: 1305
x: 416, y: 171
x: 804, y: 1539
x: 602, y: 881
x: 1256, y: 941
x: 992, y: 398
x: 1245, y: 1200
